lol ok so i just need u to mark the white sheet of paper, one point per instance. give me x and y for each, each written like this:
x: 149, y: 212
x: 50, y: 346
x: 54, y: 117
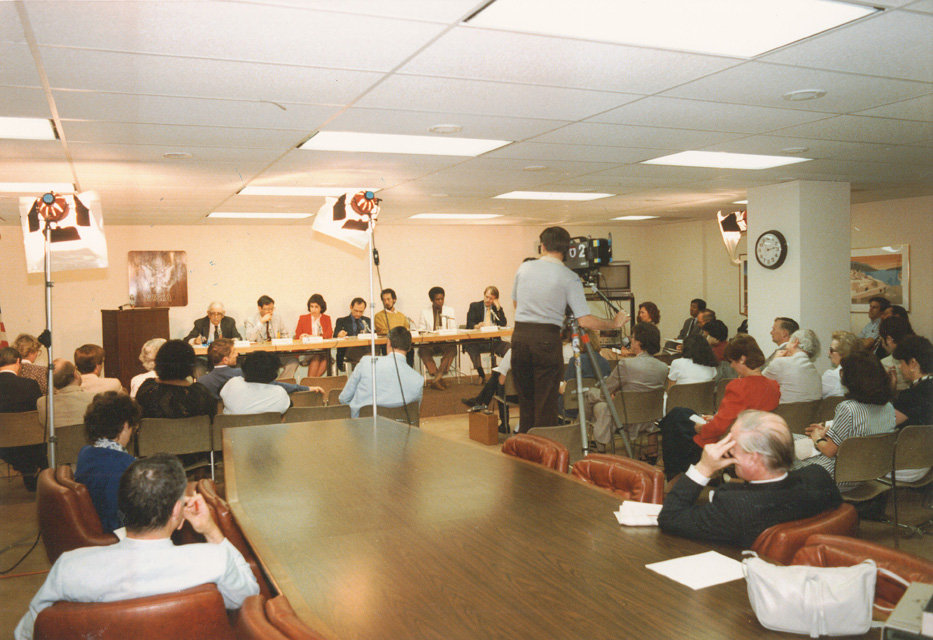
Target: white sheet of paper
x: 701, y: 570
x: 638, y: 514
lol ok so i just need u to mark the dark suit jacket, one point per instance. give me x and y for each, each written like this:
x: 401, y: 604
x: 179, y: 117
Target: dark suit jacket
x: 739, y: 513
x: 202, y: 327
x: 18, y: 394
x: 477, y: 313
x: 687, y: 329
x: 346, y: 324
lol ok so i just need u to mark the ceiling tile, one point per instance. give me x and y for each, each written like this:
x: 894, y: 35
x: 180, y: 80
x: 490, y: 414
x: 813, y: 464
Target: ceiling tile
x: 542, y: 153
x: 18, y: 102
x: 427, y: 10
x: 863, y: 129
x: 920, y: 109
x: 490, y: 98
x: 179, y: 136
x: 18, y: 68
x: 482, y: 54
x: 619, y: 135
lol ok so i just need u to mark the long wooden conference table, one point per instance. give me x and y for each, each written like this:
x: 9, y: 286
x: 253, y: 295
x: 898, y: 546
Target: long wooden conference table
x: 384, y: 531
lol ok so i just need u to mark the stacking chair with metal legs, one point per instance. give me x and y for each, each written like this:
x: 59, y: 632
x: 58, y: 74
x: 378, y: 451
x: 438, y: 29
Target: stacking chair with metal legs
x: 799, y: 415
x: 865, y: 459
x: 307, y: 399
x: 567, y: 435
x: 503, y: 393
x: 635, y: 407
x: 912, y: 451
x: 699, y: 396
x: 174, y: 435
x: 311, y: 414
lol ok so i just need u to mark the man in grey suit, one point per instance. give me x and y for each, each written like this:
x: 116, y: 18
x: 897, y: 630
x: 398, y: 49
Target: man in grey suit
x: 644, y: 372
x: 214, y: 325
x: 761, y: 448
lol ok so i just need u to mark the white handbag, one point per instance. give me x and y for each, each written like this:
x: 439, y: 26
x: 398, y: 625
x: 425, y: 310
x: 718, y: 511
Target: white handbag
x: 829, y: 601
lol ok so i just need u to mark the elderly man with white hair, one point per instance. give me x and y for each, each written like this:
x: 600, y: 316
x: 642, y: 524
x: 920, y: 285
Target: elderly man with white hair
x: 214, y: 325
x: 793, y: 368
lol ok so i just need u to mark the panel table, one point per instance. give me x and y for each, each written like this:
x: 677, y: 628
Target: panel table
x: 388, y: 532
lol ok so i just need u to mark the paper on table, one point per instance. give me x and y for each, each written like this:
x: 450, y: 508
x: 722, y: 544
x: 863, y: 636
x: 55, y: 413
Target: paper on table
x: 638, y: 514
x: 701, y: 570
x: 804, y: 448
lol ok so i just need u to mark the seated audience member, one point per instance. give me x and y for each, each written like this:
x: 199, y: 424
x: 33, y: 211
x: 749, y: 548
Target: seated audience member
x: 89, y: 359
x: 843, y: 344
x: 389, y: 318
x: 794, y: 371
x: 71, y: 401
x: 253, y: 392
x: 891, y: 331
x: 648, y: 312
x: 761, y: 449
x: 147, y: 357
x: 171, y: 394
x: 146, y: 563
x: 17, y: 395
x: 29, y: 349
x: 743, y: 327
x: 212, y: 326
x: 895, y: 310
x: 684, y: 439
x: 644, y: 372
x: 397, y: 384
x: 876, y: 306
x: 486, y: 313
x: 781, y: 332
x: 717, y: 334
x: 315, y: 323
x: 266, y: 326
x: 914, y: 405
x: 349, y: 326
x: 867, y: 410
x: 496, y: 382
x: 223, y: 356
x: 437, y: 316
x: 698, y: 363
x: 586, y: 369
x: 703, y: 318
x: 691, y: 325
x: 109, y: 424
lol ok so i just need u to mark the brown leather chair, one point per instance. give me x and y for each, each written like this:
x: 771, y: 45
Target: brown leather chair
x: 192, y: 614
x: 262, y: 619
x: 220, y: 511
x: 543, y: 451
x: 628, y: 479
x: 780, y: 542
x: 839, y: 551
x: 67, y: 517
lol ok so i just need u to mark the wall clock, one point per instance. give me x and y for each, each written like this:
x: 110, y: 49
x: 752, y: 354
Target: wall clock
x: 771, y: 249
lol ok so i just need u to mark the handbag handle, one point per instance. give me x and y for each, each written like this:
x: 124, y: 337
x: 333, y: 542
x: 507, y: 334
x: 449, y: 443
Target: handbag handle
x: 896, y: 578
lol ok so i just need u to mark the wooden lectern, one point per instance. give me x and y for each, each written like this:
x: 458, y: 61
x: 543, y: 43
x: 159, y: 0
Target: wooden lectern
x: 125, y: 333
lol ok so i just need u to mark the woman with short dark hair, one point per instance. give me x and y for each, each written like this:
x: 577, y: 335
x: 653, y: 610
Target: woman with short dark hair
x: 315, y: 323
x: 109, y: 423
x: 172, y: 394
x: 648, y: 312
x: 698, y: 363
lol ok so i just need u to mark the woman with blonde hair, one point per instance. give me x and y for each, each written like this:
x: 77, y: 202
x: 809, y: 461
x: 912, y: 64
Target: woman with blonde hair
x: 842, y: 346
x: 147, y: 357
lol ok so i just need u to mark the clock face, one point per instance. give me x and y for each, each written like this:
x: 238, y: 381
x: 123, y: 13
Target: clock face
x: 771, y: 249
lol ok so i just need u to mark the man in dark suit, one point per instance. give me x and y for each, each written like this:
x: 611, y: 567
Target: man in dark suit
x: 691, y: 324
x: 214, y: 325
x: 16, y: 396
x: 349, y: 326
x: 761, y: 448
x: 484, y: 313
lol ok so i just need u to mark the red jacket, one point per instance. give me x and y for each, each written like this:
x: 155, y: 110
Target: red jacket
x: 750, y: 392
x: 306, y: 324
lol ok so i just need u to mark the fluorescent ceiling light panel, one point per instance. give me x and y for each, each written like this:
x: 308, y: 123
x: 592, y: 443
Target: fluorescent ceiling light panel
x: 37, y: 188
x: 455, y: 216
x: 391, y: 143
x: 259, y: 216
x: 27, y: 128
x: 722, y: 160
x: 740, y: 202
x: 299, y: 191
x: 636, y: 218
x: 743, y: 28
x: 552, y: 195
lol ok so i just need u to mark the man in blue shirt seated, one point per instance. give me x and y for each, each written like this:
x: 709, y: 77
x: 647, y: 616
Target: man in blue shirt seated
x: 146, y: 563
x: 397, y: 384
x: 222, y: 354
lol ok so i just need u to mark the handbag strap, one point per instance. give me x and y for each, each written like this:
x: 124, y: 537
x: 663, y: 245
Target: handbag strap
x: 896, y: 578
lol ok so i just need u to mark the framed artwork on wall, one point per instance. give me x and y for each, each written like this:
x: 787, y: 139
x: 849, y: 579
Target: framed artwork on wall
x: 743, y: 282
x: 880, y: 271
x: 158, y: 278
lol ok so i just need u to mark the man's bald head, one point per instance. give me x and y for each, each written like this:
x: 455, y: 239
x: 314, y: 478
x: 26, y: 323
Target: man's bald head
x: 64, y: 373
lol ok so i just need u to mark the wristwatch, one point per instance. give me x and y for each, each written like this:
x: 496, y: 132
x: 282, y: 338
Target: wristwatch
x: 819, y: 440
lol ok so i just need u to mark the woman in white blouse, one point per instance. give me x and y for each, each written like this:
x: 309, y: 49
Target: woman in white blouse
x: 843, y: 343
x: 698, y: 363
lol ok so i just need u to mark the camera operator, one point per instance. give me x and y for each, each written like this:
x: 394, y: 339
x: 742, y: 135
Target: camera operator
x: 543, y: 290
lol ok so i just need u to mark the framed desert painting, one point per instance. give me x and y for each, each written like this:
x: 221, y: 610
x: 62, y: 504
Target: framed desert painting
x: 880, y: 271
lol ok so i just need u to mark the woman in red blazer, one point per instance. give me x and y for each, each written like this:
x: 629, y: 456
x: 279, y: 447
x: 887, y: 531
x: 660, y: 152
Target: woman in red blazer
x: 315, y: 323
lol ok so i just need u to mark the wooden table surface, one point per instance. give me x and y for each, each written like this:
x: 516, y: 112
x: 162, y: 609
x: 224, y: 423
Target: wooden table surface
x: 352, y: 341
x: 389, y: 532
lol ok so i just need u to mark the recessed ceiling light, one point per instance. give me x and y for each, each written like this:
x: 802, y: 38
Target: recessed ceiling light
x: 446, y: 128
x: 391, y: 143
x: 177, y: 155
x: 636, y: 217
x: 37, y: 188
x: 552, y: 195
x: 740, y: 202
x: 260, y: 216
x: 722, y: 160
x: 743, y: 28
x: 299, y: 191
x: 795, y: 150
x: 804, y: 94
x: 455, y: 216
x: 27, y: 128
x: 535, y: 167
